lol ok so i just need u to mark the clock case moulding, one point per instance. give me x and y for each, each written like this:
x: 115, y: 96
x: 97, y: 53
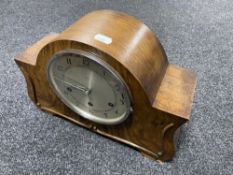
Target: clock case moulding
x: 162, y: 93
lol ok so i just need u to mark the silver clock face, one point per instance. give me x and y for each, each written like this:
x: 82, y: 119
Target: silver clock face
x: 89, y: 86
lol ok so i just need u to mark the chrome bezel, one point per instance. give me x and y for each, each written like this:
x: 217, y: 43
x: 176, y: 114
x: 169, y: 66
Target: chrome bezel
x: 75, y: 108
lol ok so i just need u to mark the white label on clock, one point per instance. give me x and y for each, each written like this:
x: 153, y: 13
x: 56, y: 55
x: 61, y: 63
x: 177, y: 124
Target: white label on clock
x: 103, y: 38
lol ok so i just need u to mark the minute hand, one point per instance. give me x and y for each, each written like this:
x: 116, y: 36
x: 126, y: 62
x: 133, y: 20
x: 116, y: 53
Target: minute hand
x: 76, y: 86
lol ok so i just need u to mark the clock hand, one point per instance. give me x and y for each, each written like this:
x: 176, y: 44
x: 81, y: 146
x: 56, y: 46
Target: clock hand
x: 77, y: 86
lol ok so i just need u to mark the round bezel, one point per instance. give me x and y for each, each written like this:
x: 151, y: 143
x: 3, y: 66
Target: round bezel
x: 75, y: 108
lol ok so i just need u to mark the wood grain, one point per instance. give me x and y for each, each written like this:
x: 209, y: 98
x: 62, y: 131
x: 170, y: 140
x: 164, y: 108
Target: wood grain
x: 176, y: 91
x: 162, y: 93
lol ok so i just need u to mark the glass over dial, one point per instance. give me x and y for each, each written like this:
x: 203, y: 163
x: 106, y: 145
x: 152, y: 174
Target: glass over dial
x: 89, y: 86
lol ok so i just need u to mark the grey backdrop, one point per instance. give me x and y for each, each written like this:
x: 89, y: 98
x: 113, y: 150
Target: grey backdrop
x: 195, y: 34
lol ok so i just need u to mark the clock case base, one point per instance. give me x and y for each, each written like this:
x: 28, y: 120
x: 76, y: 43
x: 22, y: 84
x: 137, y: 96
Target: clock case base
x: 173, y: 81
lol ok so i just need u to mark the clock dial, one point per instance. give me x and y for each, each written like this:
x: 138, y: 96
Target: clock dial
x: 89, y: 86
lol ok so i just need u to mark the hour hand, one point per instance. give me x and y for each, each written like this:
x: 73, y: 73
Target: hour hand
x: 77, y: 86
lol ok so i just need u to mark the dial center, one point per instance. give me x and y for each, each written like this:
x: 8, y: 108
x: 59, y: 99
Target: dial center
x: 97, y: 90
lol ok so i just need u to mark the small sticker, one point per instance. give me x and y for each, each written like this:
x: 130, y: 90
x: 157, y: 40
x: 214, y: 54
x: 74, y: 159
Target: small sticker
x: 103, y: 39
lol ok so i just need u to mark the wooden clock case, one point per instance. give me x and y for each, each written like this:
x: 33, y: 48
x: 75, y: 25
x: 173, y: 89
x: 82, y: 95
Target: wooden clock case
x: 162, y: 93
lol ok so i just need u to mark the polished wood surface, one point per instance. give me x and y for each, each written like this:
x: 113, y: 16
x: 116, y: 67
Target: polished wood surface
x: 176, y: 91
x: 162, y: 93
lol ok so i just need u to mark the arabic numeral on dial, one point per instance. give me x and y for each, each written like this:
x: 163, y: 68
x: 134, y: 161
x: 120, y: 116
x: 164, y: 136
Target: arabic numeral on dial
x: 68, y: 60
x: 85, y: 61
x: 69, y: 89
x: 90, y: 103
x: 122, y: 99
x: 110, y: 104
x: 104, y: 72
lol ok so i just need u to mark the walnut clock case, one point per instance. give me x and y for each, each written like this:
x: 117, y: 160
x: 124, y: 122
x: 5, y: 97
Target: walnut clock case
x: 109, y: 73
